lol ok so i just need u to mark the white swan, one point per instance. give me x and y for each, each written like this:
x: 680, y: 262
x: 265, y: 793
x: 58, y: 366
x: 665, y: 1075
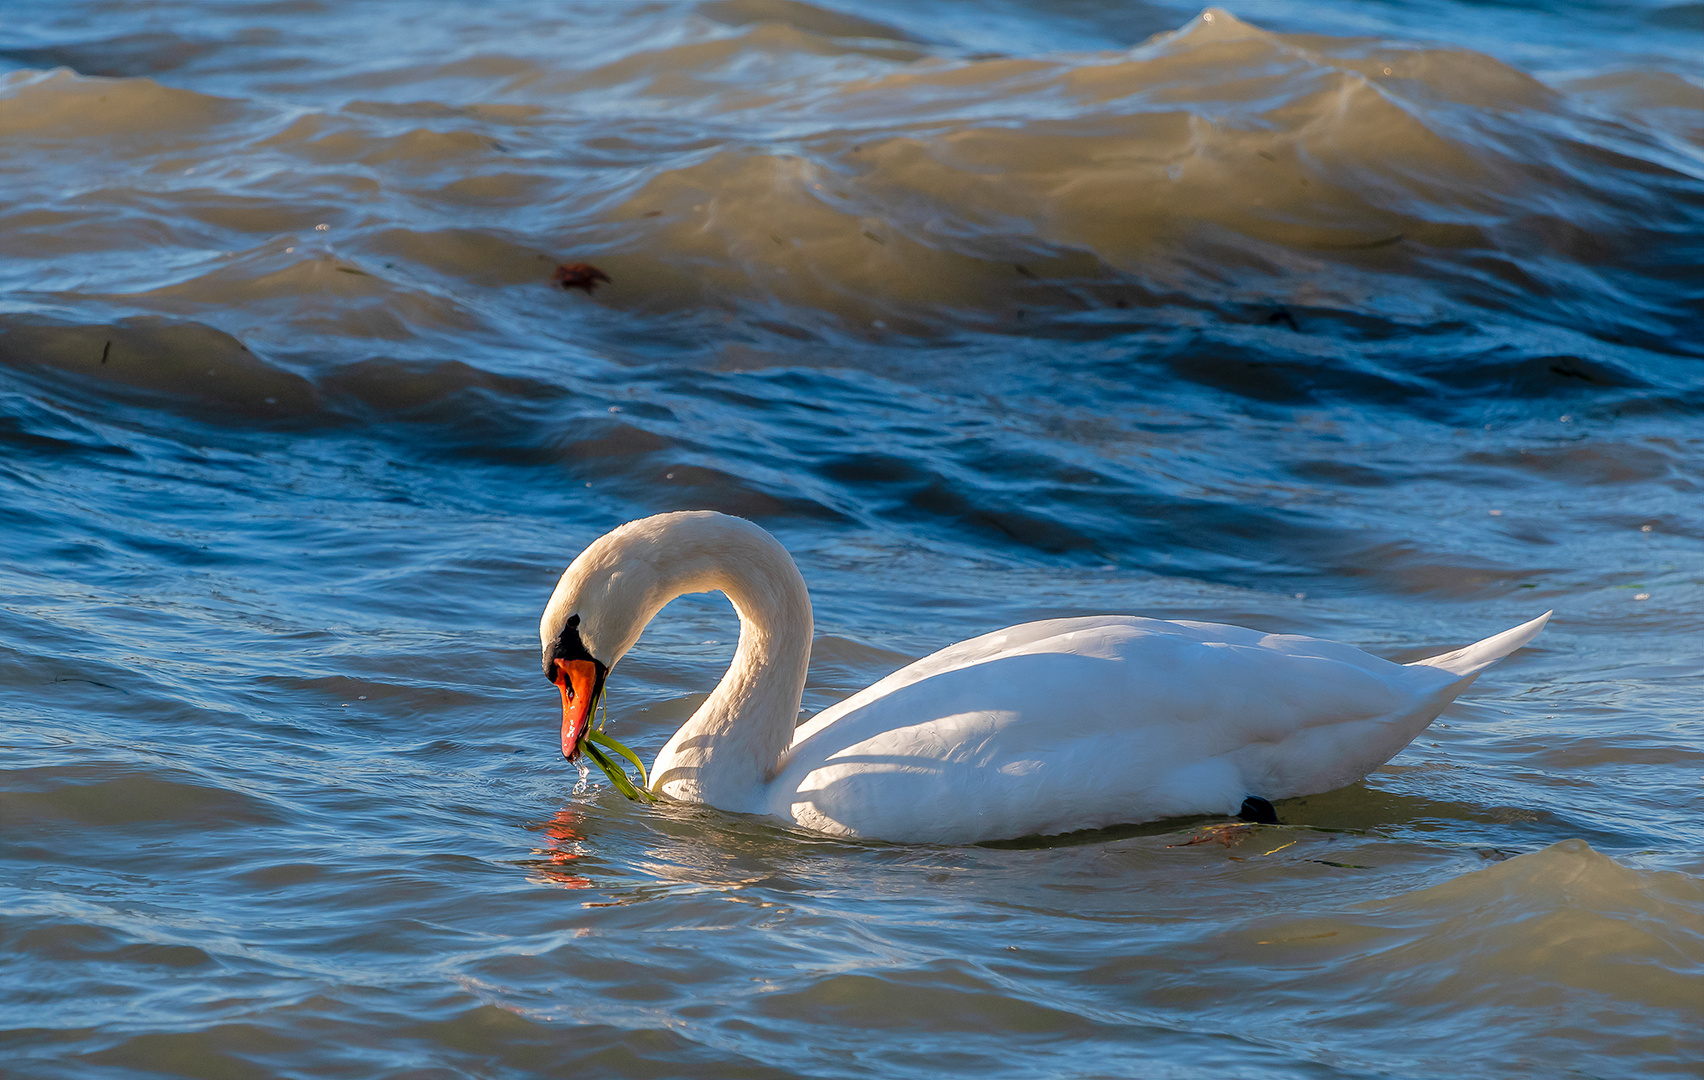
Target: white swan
x: 1041, y: 728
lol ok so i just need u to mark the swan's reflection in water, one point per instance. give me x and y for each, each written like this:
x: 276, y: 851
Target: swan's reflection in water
x: 675, y: 850
x: 670, y: 851
x: 565, y: 844
x: 700, y: 857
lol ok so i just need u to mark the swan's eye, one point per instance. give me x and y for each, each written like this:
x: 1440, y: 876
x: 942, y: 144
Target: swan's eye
x: 567, y: 646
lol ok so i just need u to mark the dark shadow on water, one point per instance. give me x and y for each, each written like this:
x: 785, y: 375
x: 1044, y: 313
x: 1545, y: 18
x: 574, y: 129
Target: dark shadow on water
x: 1084, y: 837
x: 1360, y: 809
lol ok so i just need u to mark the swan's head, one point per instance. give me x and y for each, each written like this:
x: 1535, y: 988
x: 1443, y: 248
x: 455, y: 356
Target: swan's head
x: 605, y: 598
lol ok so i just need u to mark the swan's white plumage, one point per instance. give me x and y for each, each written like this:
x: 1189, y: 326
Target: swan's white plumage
x: 1041, y: 728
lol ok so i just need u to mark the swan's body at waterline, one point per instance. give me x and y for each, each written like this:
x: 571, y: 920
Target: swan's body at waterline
x: 1041, y: 728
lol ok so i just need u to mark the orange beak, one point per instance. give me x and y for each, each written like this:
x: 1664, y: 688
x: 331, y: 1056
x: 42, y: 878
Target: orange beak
x: 580, y: 681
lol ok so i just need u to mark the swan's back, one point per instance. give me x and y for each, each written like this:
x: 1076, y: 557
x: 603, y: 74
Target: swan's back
x: 1084, y: 723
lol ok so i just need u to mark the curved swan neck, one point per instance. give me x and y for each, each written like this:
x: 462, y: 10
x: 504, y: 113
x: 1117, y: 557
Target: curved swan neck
x: 729, y: 748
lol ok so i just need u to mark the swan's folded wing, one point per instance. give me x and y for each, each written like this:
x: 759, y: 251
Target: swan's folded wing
x: 1095, y: 722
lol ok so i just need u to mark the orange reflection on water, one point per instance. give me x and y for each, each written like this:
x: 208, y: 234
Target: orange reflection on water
x: 564, y: 844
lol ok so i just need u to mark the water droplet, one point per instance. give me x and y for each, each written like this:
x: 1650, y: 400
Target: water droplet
x: 1644, y: 528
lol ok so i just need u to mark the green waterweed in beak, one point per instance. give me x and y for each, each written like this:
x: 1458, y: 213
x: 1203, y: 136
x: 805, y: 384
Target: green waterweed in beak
x: 616, y: 772
x: 582, y: 686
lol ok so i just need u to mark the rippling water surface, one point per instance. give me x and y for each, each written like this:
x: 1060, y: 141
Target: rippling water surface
x: 1379, y: 321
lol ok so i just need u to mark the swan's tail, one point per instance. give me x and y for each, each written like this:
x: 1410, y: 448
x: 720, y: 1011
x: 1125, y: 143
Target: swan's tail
x: 1482, y: 654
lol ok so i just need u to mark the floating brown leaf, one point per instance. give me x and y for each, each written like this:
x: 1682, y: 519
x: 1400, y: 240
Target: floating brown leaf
x: 580, y: 276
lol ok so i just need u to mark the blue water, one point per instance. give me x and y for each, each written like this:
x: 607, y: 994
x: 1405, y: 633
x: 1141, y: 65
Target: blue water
x: 1376, y: 321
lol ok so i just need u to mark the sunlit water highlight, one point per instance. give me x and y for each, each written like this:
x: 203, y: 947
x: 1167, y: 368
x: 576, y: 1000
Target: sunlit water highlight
x: 1378, y: 322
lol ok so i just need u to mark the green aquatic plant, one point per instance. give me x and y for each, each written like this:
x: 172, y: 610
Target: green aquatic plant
x: 617, y: 773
